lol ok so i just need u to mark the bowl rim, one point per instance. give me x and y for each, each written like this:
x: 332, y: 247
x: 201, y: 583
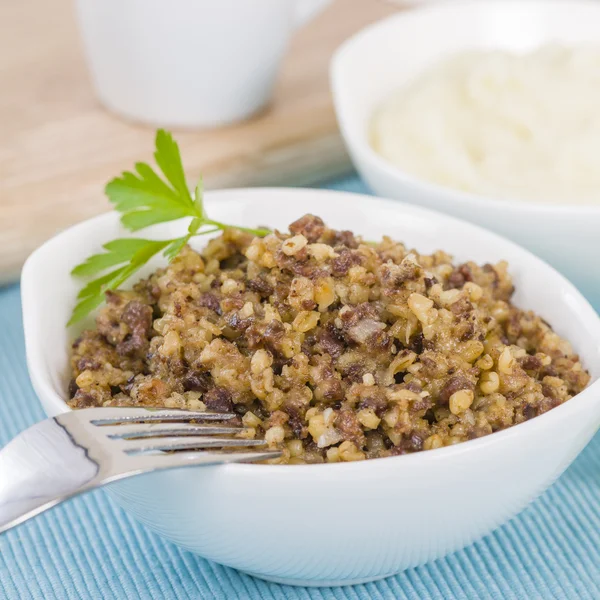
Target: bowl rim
x: 358, y: 143
x: 35, y: 356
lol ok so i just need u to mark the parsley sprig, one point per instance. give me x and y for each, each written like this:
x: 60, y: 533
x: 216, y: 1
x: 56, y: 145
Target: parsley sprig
x: 144, y: 198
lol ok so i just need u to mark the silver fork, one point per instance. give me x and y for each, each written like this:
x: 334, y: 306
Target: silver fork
x: 81, y: 450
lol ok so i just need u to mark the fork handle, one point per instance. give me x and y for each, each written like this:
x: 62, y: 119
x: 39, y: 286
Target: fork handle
x: 39, y: 468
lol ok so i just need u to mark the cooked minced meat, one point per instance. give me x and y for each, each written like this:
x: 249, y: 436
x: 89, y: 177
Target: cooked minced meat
x: 333, y: 348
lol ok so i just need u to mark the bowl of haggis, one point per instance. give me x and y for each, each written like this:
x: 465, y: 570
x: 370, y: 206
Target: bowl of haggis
x: 402, y: 361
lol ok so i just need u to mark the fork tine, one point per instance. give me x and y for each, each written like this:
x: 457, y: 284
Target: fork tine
x: 111, y: 416
x: 141, y: 430
x: 167, y: 444
x: 252, y: 456
x: 190, y: 459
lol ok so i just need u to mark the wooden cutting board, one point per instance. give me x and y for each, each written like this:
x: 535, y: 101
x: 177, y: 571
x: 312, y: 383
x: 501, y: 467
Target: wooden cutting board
x: 58, y: 146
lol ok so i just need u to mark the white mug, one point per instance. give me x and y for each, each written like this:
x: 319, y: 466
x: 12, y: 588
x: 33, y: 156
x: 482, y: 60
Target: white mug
x: 188, y: 63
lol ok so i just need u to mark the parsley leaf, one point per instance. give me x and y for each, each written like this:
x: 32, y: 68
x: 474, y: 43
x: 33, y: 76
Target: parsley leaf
x: 134, y: 252
x: 118, y: 252
x: 144, y: 198
x: 169, y: 160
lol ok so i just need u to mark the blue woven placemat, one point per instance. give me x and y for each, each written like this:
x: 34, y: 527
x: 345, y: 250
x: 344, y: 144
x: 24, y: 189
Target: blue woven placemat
x: 89, y: 548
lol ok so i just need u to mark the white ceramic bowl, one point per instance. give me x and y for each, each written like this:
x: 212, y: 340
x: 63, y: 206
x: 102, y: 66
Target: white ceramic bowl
x: 336, y: 523
x: 380, y: 59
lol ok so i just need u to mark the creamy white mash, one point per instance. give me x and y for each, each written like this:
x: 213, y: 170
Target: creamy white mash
x: 509, y: 126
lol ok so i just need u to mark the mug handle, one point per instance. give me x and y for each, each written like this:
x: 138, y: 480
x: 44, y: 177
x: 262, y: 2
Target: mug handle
x: 306, y: 10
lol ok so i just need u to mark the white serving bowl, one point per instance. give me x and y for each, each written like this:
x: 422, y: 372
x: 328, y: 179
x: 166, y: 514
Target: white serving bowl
x: 374, y: 63
x: 335, y: 523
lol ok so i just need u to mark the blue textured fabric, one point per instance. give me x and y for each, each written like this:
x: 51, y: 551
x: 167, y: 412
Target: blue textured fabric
x: 90, y: 549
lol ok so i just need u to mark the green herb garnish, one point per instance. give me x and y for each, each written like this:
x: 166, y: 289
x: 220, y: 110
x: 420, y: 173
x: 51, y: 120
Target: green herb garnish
x: 143, y: 198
